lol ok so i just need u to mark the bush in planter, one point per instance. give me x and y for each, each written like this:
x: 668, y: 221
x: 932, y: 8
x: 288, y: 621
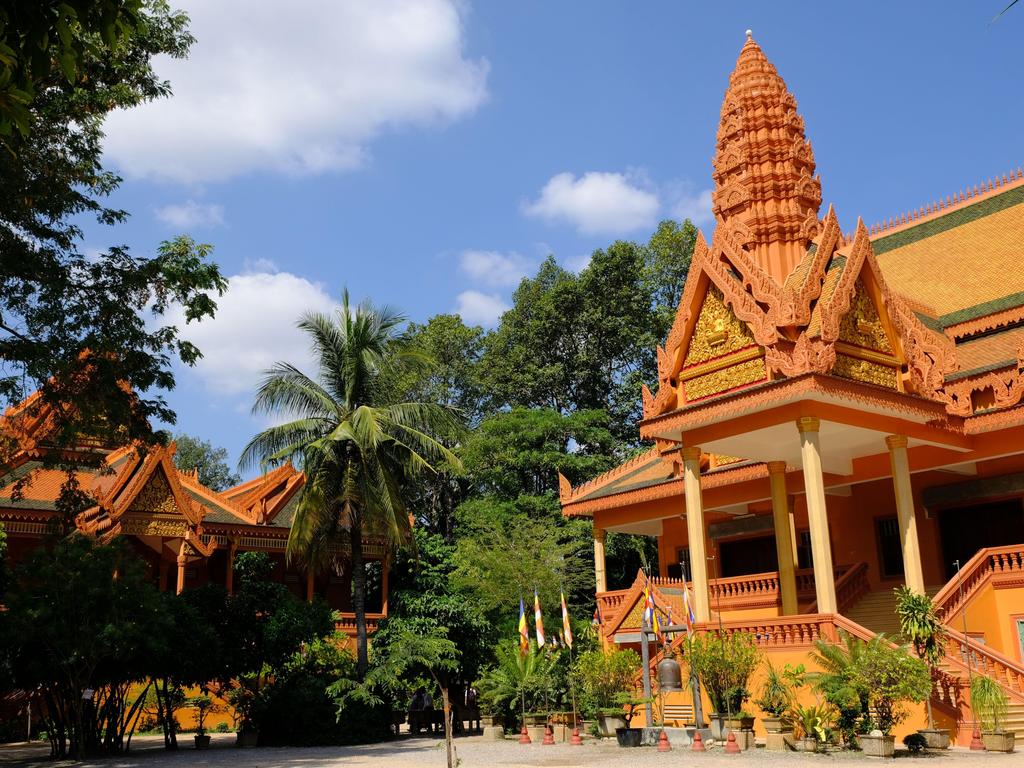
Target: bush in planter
x: 203, y: 706
x: 892, y: 677
x: 723, y: 663
x: 921, y: 626
x: 813, y: 722
x: 841, y: 685
x: 990, y: 705
x: 602, y: 677
x: 778, y: 689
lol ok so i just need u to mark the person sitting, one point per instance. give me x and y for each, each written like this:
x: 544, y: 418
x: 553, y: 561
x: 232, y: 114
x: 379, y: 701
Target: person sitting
x: 428, y: 710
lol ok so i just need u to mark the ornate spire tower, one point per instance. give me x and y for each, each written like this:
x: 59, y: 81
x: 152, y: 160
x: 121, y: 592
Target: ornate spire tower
x: 766, y: 194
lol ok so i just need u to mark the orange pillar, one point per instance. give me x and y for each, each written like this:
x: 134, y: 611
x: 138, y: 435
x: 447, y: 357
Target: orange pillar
x: 913, y: 573
x: 182, y: 560
x: 229, y: 580
x: 817, y: 515
x: 309, y: 585
x: 783, y: 537
x: 695, y: 533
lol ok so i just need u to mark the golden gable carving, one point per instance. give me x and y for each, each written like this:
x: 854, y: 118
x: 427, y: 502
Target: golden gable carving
x: 155, y: 497
x: 717, y: 332
x: 139, y: 526
x: 861, y: 325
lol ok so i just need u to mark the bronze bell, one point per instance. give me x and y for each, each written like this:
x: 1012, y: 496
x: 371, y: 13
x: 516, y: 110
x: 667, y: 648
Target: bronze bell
x: 669, y: 676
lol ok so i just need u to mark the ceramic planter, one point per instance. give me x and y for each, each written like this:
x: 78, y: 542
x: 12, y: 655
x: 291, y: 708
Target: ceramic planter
x: 998, y: 741
x: 609, y: 724
x: 739, y: 724
x: 629, y: 737
x: 202, y: 741
x: 877, y: 746
x: 808, y: 745
x: 536, y: 718
x: 718, y: 726
x: 935, y: 738
x: 776, y: 724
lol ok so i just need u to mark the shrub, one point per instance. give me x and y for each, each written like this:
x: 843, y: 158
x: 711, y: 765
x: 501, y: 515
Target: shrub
x: 778, y: 688
x: 892, y: 676
x: 603, y: 677
x: 989, y: 702
x: 724, y: 664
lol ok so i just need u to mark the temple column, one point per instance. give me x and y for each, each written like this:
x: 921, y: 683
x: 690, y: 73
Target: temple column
x: 385, y: 571
x: 817, y: 516
x: 599, y: 565
x: 229, y: 579
x: 783, y: 537
x: 309, y: 585
x: 913, y: 574
x: 695, y: 532
x: 182, y: 562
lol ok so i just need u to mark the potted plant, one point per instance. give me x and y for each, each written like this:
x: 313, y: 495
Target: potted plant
x: 723, y: 663
x: 776, y: 699
x: 921, y: 627
x: 202, y: 704
x: 812, y: 725
x: 600, y: 679
x: 990, y: 703
x: 629, y: 736
x: 891, y: 676
x: 242, y: 697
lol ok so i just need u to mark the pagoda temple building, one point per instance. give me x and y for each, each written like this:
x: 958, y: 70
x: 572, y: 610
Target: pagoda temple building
x: 186, y: 533
x: 837, y: 413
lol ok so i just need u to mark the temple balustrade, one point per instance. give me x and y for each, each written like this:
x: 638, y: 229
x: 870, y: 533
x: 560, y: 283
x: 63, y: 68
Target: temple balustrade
x: 999, y: 564
x: 346, y: 622
x: 970, y: 657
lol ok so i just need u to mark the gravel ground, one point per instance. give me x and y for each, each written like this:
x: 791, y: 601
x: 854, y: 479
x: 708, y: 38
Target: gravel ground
x: 475, y: 752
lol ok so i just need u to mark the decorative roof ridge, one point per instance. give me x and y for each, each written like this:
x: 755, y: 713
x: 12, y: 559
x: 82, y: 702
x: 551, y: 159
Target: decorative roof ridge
x: 190, y: 480
x: 567, y: 493
x: 257, y: 487
x: 954, y: 202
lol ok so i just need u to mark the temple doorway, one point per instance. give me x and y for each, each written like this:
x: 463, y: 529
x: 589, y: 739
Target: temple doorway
x: 965, y: 530
x: 750, y: 555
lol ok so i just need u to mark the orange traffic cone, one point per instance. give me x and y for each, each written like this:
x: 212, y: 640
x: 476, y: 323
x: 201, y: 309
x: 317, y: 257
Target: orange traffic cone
x: 576, y: 740
x: 549, y: 735
x: 976, y: 742
x: 732, y: 747
x: 524, y: 736
x: 698, y: 742
x: 663, y: 745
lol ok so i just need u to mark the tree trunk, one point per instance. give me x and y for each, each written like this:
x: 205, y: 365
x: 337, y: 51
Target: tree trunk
x: 359, y: 597
x: 448, y: 726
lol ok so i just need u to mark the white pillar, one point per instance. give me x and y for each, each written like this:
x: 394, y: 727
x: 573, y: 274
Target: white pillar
x: 913, y: 574
x: 817, y: 515
x: 695, y: 533
x: 599, y: 566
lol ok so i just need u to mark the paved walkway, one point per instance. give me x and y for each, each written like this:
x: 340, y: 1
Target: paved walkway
x: 475, y: 752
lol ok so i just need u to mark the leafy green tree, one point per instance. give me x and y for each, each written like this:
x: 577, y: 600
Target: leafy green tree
x: 73, y: 321
x: 518, y: 682
x: 82, y: 625
x: 921, y: 626
x: 600, y: 677
x: 194, y: 453
x: 358, y: 444
x: 892, y: 676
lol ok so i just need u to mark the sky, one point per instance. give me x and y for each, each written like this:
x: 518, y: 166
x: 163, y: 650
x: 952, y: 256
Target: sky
x: 427, y: 154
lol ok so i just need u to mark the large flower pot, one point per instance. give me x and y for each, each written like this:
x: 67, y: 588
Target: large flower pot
x: 738, y: 724
x: 998, y: 741
x: 202, y: 741
x: 492, y: 727
x: 877, y: 745
x: 629, y: 737
x: 608, y: 724
x: 719, y: 730
x: 808, y: 744
x: 776, y: 724
x: 935, y: 738
x: 246, y: 739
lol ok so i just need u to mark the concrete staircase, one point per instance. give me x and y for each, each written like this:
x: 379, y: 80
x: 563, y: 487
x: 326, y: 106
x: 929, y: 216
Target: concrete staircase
x: 877, y: 611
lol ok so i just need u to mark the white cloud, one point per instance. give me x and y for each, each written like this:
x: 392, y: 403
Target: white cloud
x: 494, y: 268
x: 301, y: 87
x: 254, y: 328
x: 477, y: 308
x: 596, y: 203
x: 693, y: 206
x: 259, y: 265
x: 191, y: 214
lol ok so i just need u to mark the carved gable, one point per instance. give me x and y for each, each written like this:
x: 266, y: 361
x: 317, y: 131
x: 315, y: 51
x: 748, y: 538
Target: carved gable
x: 722, y: 353
x: 864, y: 351
x: 155, y: 497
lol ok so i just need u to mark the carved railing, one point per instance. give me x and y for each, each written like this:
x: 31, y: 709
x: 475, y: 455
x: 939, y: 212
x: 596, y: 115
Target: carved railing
x: 967, y: 655
x: 610, y: 602
x: 987, y: 564
x: 851, y: 585
x: 346, y: 622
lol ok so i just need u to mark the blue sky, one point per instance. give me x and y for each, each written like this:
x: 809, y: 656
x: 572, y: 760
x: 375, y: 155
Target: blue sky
x: 429, y: 153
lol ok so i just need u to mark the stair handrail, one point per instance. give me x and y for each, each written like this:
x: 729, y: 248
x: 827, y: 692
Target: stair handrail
x: 974, y: 574
x: 850, y: 586
x: 986, y: 661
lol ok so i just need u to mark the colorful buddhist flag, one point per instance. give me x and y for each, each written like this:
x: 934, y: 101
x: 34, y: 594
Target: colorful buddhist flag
x: 539, y: 621
x: 687, y: 607
x: 650, y: 614
x: 524, y: 632
x: 566, y: 627
x: 596, y: 621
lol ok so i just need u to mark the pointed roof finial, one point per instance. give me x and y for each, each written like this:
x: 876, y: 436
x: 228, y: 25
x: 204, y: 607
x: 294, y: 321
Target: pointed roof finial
x: 750, y: 34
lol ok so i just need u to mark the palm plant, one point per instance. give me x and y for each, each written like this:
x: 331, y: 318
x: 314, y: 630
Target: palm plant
x: 841, y: 684
x: 517, y: 678
x: 355, y: 438
x: 921, y: 626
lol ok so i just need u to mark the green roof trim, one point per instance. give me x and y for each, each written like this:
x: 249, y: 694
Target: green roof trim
x: 958, y: 375
x: 950, y: 220
x: 932, y: 323
x: 985, y: 308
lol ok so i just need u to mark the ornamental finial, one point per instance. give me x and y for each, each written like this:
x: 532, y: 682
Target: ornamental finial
x: 750, y: 34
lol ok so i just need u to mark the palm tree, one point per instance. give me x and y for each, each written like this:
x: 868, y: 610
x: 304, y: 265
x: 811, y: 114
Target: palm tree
x: 921, y: 626
x: 356, y: 439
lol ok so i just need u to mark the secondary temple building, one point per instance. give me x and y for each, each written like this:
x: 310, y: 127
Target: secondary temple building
x: 187, y: 534
x: 836, y: 414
